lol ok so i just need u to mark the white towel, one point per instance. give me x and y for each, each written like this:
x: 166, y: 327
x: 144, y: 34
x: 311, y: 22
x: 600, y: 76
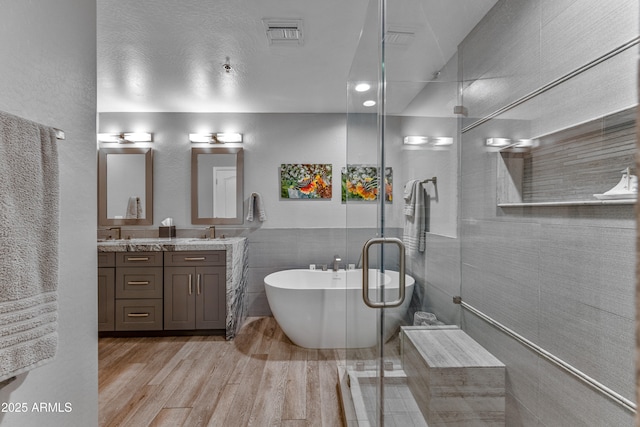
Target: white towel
x: 132, y: 208
x: 409, y: 200
x: 28, y: 245
x: 139, y: 212
x: 255, y: 202
x: 414, y: 235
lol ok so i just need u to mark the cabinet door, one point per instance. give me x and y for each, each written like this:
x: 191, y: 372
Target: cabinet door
x: 211, y: 298
x: 106, y: 298
x: 179, y: 298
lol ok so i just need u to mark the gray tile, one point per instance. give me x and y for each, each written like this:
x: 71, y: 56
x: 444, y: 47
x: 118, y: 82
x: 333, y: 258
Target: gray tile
x: 593, y: 341
x: 258, y: 305
x: 518, y: 415
x: 500, y: 57
x: 567, y: 402
x: 521, y: 364
x: 575, y: 32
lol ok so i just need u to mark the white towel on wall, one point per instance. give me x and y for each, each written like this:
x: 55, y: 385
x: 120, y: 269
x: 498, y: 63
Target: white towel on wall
x: 29, y: 196
x: 409, y: 200
x: 414, y: 234
x: 255, y: 204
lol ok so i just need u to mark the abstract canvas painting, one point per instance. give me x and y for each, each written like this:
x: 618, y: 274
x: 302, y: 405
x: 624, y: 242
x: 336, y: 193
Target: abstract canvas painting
x: 305, y: 181
x: 361, y: 183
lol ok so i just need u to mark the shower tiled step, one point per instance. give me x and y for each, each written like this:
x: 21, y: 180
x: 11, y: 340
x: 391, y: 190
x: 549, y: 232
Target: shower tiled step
x: 359, y: 397
x: 455, y: 381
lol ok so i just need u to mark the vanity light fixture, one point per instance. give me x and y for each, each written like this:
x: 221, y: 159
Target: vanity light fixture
x: 216, y: 138
x: 498, y: 142
x: 428, y: 140
x: 512, y: 143
x: 126, y: 137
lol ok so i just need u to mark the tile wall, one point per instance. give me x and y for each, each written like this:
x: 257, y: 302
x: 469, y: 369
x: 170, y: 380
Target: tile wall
x: 560, y: 276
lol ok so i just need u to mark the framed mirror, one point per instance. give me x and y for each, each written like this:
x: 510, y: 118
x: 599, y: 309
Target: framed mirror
x: 125, y: 186
x: 216, y: 185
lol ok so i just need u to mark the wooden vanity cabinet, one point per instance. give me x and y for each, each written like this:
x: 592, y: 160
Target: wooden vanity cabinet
x: 138, y: 291
x: 106, y: 291
x: 194, y: 290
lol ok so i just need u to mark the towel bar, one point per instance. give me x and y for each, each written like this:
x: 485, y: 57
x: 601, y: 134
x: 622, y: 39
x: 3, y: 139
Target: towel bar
x: 434, y: 180
x: 435, y: 185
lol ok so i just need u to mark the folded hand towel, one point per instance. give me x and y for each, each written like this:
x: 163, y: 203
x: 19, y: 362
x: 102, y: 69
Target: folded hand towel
x: 409, y: 199
x: 255, y: 202
x: 28, y: 245
x: 414, y: 235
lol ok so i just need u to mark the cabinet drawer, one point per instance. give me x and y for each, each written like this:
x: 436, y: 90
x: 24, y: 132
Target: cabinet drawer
x: 195, y: 258
x: 139, y: 315
x: 139, y: 282
x: 139, y: 259
x: 106, y: 259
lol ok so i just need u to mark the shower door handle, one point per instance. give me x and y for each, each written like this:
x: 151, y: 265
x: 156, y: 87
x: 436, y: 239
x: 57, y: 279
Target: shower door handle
x: 365, y: 272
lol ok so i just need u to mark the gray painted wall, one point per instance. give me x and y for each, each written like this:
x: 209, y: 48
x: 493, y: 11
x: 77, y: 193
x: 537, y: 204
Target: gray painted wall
x: 561, y: 276
x: 269, y: 141
x: 48, y: 75
x: 297, y: 232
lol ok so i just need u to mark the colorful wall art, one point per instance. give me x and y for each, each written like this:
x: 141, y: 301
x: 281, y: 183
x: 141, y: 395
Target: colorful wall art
x: 305, y: 181
x: 360, y: 183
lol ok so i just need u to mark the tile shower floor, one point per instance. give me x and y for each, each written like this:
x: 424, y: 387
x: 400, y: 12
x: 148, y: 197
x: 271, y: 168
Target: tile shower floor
x: 401, y: 408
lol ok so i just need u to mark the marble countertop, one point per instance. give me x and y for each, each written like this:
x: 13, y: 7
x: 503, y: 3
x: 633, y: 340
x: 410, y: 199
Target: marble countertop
x: 167, y: 244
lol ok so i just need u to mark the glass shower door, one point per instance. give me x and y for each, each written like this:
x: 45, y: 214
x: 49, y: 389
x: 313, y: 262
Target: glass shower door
x: 378, y: 302
x: 395, y: 89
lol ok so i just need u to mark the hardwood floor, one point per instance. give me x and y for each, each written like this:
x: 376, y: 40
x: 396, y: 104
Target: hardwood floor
x: 258, y: 379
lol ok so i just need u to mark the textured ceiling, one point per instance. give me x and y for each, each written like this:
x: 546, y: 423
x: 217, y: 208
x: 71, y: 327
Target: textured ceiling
x: 169, y: 56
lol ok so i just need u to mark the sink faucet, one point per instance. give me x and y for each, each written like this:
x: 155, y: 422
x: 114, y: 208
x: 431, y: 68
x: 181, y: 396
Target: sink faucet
x: 336, y: 260
x: 118, y: 232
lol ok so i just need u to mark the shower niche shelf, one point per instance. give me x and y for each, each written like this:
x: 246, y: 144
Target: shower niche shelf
x: 568, y: 167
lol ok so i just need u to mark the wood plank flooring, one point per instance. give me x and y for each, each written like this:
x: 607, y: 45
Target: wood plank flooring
x: 258, y: 379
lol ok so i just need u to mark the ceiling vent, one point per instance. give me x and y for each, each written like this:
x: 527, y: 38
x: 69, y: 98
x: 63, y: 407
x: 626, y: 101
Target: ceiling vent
x: 284, y: 31
x: 399, y: 37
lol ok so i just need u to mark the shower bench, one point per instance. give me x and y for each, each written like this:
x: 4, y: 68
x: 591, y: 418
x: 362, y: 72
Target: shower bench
x: 455, y: 381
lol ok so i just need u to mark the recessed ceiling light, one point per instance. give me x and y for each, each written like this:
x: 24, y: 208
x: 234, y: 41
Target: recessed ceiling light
x: 369, y: 103
x: 363, y: 87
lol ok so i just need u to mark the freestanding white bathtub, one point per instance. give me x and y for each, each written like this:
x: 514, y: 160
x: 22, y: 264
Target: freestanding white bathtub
x: 324, y: 309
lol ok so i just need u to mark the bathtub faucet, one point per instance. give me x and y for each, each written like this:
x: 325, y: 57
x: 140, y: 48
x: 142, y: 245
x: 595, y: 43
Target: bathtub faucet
x: 336, y: 261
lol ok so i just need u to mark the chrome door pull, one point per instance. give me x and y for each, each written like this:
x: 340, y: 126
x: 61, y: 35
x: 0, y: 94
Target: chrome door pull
x: 198, y: 285
x: 365, y: 272
x: 190, y: 284
x: 138, y: 315
x: 138, y: 283
x: 190, y: 258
